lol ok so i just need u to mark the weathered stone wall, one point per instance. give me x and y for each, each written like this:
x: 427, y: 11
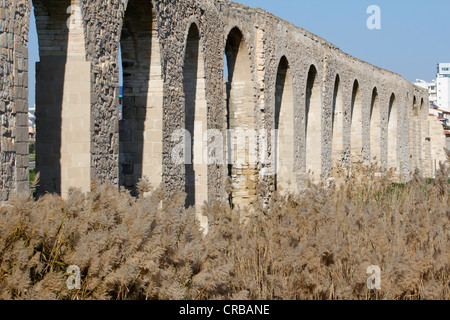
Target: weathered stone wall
x: 62, y: 98
x: 158, y: 89
x: 103, y: 22
x: 302, y: 50
x: 140, y: 132
x: 14, y: 17
x: 437, y: 143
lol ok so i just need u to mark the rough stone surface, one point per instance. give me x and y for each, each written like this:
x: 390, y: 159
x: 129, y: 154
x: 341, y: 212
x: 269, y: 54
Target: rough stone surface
x: 153, y: 35
x: 14, y: 17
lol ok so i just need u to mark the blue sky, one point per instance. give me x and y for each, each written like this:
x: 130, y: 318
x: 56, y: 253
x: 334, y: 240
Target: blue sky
x: 414, y: 34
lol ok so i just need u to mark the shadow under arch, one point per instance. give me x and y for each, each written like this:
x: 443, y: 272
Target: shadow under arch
x: 356, y: 125
x: 240, y: 113
x: 392, y: 135
x: 337, y: 122
x: 375, y: 128
x: 313, y: 124
x: 194, y: 88
x: 51, y: 19
x: 413, y: 139
x: 140, y: 129
x: 283, y: 155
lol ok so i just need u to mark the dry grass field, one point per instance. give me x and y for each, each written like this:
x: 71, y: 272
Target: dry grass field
x: 314, y: 245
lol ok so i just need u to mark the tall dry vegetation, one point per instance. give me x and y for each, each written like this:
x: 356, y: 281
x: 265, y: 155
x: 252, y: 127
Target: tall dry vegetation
x: 314, y: 245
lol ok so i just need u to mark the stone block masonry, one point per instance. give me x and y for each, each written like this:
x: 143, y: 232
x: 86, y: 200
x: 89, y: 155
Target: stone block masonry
x: 14, y: 17
x: 330, y: 108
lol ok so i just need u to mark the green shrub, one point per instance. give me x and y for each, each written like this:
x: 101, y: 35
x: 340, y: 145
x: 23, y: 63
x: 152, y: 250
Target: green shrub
x: 32, y: 148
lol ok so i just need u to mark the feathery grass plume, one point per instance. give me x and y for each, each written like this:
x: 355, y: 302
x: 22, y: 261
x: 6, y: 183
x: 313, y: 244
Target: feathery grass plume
x: 144, y: 186
x: 316, y: 244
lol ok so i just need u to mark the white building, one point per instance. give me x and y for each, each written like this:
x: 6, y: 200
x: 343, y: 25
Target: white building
x: 443, y: 86
x: 444, y: 70
x: 32, y: 123
x: 439, y: 89
x: 443, y: 116
x: 32, y: 116
x: 431, y: 87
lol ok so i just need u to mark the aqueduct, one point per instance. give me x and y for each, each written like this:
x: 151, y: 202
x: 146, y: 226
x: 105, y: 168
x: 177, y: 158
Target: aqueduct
x: 329, y: 108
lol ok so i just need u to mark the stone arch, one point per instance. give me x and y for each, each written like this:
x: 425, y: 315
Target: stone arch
x: 419, y: 135
x: 140, y: 130
x: 392, y: 138
x: 240, y: 120
x: 196, y: 116
x: 356, y: 137
x: 313, y: 124
x: 62, y: 158
x: 414, y: 122
x: 375, y: 128
x: 337, y: 123
x: 284, y: 128
x: 63, y: 93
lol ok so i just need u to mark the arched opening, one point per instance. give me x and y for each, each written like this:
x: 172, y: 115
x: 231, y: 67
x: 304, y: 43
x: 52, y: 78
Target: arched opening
x: 413, y: 130
x: 313, y: 124
x: 33, y: 59
x: 63, y: 93
x: 14, y: 108
x: 419, y: 140
x: 240, y: 110
x: 285, y: 179
x: 337, y: 123
x: 140, y: 127
x: 375, y: 128
x: 196, y: 170
x: 356, y: 125
x: 392, y: 139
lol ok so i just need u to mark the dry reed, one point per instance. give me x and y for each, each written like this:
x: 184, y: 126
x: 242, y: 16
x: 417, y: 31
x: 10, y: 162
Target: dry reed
x: 313, y: 245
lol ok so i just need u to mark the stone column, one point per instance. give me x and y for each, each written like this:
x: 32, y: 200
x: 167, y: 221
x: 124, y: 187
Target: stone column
x: 62, y: 98
x: 14, y: 18
x: 103, y: 22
